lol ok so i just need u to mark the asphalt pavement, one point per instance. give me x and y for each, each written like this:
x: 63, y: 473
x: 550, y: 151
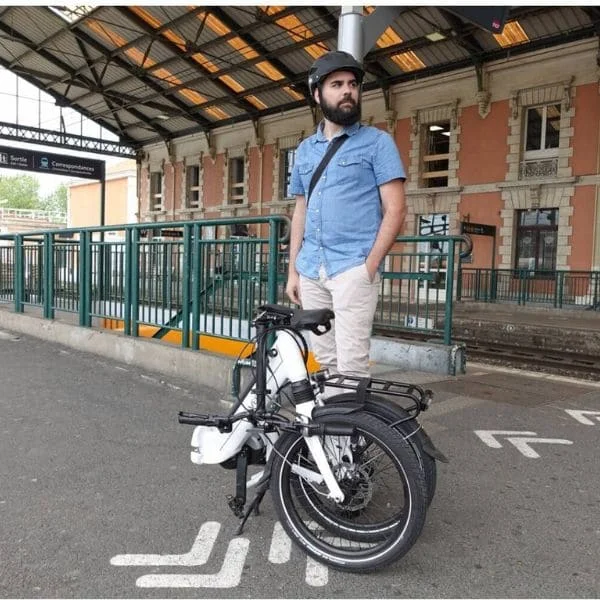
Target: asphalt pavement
x: 98, y: 497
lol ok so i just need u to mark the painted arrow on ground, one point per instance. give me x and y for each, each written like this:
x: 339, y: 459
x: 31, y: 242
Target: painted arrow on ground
x: 580, y: 415
x: 522, y: 444
x: 230, y: 573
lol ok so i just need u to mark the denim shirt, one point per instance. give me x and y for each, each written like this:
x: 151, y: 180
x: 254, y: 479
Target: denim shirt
x: 344, y: 210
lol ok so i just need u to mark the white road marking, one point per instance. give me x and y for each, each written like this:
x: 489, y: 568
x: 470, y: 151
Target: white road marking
x: 229, y: 576
x: 198, y: 555
x: 580, y: 415
x: 317, y: 575
x: 488, y: 437
x: 281, y: 545
x: 522, y: 444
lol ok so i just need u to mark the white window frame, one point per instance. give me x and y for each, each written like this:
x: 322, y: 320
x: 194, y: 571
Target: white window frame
x: 543, y: 152
x: 283, y: 153
x: 238, y: 198
x: 156, y: 198
x: 426, y: 158
x: 192, y: 186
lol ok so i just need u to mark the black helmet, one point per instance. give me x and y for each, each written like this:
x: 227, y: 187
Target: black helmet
x: 330, y: 62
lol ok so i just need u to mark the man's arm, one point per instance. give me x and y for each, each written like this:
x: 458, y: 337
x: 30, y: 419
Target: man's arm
x: 393, y: 206
x: 292, y: 289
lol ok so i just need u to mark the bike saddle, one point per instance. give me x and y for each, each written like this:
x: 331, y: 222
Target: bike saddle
x: 313, y: 320
x: 316, y: 320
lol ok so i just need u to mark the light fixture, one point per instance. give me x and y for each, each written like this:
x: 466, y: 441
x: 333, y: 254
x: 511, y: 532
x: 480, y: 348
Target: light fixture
x: 447, y: 133
x: 435, y: 128
x: 435, y: 36
x: 163, y: 117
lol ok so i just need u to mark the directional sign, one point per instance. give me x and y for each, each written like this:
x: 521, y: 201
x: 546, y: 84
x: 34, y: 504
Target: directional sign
x: 230, y: 573
x: 521, y: 440
x: 46, y: 162
x: 580, y: 415
x: 477, y: 228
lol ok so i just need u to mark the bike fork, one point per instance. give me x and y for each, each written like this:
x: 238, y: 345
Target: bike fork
x: 318, y: 453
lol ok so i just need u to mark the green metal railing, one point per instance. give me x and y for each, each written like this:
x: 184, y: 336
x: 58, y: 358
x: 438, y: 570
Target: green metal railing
x: 557, y: 289
x: 200, y: 284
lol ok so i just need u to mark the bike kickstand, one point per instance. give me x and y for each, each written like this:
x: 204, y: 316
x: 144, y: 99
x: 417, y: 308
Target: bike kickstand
x: 260, y: 493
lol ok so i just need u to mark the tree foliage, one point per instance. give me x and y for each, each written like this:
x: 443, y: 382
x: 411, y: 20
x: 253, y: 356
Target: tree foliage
x: 56, y: 202
x: 19, y: 191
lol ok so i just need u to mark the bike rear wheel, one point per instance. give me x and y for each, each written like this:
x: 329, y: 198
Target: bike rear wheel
x: 385, y: 501
x: 411, y: 430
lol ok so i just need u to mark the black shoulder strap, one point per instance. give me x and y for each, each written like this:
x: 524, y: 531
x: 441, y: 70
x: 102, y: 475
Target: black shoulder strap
x: 333, y: 148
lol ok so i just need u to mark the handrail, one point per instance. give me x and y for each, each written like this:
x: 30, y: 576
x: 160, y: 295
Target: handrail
x: 198, y: 285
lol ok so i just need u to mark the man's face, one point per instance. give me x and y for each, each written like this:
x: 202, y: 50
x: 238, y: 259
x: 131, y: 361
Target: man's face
x: 339, y: 98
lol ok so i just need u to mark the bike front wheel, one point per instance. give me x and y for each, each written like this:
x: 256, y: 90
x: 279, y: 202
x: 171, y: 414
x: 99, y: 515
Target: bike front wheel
x: 385, y: 496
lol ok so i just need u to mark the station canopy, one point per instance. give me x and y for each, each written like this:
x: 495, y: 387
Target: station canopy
x: 151, y: 73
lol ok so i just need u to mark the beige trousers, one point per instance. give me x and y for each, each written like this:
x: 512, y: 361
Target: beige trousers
x: 353, y: 298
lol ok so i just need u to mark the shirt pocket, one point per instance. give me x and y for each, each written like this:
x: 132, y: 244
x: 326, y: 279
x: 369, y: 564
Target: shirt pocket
x: 354, y: 170
x: 353, y: 164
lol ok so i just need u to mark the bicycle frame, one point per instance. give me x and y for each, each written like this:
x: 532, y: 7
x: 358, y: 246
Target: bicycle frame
x: 283, y: 363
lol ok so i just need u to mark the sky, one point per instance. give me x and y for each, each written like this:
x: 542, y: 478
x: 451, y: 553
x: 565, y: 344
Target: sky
x: 24, y: 104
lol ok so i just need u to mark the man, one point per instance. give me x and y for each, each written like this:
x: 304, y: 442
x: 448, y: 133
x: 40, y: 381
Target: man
x: 341, y: 233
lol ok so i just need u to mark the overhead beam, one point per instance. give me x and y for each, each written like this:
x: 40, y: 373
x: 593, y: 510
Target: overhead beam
x: 239, y: 101
x: 57, y: 97
x: 258, y: 47
x: 327, y: 35
x: 139, y: 73
x: 58, y: 139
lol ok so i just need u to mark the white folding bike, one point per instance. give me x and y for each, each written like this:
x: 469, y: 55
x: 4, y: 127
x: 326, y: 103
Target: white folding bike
x: 351, y: 475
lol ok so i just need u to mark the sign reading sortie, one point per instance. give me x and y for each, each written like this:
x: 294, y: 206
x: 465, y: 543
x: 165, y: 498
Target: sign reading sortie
x: 45, y: 162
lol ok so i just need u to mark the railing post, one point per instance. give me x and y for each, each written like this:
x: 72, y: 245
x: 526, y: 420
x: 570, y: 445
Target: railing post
x: 85, y: 276
x: 449, y: 293
x: 48, y: 278
x: 493, y: 285
x: 18, y: 275
x: 127, y: 281
x: 185, y: 291
x: 273, y: 261
x: 196, y: 284
x: 559, y: 287
x: 134, y: 283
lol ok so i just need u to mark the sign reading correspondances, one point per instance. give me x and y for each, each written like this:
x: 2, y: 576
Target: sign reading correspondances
x: 45, y: 162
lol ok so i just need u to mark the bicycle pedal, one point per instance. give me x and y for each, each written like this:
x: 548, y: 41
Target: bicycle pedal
x: 236, y: 504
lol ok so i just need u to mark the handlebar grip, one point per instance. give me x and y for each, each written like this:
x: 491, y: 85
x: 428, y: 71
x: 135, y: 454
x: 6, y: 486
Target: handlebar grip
x: 334, y: 429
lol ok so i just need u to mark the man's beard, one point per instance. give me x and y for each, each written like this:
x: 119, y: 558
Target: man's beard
x: 341, y: 116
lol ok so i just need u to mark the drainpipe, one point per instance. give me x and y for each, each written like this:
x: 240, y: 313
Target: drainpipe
x: 596, y: 233
x: 350, y: 34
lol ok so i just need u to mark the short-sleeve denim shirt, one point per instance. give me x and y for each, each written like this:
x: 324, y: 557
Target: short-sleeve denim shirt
x: 344, y: 211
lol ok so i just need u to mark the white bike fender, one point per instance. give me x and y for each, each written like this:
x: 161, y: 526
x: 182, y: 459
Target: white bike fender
x: 211, y: 447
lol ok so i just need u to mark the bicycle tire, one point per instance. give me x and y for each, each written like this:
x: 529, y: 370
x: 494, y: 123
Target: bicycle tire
x: 390, y: 483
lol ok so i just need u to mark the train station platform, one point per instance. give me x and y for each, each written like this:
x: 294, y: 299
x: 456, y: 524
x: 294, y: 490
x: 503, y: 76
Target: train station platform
x: 99, y: 498
x: 548, y: 329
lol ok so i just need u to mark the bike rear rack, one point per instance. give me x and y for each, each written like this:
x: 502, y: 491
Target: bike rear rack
x: 419, y: 397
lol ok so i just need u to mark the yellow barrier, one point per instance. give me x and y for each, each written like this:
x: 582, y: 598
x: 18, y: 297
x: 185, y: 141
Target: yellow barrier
x: 210, y: 343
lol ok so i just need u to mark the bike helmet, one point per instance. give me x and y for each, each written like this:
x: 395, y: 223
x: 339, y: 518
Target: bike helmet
x: 330, y: 62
